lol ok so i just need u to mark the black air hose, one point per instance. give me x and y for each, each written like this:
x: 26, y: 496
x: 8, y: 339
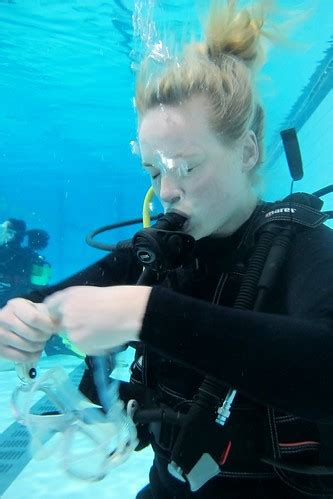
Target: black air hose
x: 248, y: 290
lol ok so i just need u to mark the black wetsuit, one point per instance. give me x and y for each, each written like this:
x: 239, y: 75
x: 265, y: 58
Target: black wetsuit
x: 281, y: 358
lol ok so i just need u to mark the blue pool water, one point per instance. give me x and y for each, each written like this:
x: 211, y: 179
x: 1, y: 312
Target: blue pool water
x: 66, y: 123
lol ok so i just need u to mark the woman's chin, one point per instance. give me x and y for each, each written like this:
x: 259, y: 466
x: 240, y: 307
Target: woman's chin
x: 197, y: 233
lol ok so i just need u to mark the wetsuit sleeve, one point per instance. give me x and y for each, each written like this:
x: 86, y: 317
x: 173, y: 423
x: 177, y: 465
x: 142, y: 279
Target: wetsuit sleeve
x: 119, y: 267
x: 281, y: 360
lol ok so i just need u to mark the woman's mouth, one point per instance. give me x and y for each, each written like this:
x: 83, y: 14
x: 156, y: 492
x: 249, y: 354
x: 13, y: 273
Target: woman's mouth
x: 182, y: 214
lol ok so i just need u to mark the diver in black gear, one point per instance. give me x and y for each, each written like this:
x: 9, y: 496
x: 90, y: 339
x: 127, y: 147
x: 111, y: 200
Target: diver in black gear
x: 22, y: 267
x: 201, y: 144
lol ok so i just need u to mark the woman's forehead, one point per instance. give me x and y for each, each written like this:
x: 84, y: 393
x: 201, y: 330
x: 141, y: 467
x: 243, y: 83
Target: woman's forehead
x: 175, y: 147
x: 175, y: 130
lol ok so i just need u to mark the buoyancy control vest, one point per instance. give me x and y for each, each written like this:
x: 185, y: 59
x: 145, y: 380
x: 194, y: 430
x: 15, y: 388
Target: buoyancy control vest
x: 266, y: 431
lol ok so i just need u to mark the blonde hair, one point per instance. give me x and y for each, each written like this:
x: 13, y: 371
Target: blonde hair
x: 223, y: 68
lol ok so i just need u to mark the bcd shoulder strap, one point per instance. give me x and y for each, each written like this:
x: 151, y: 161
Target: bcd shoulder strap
x: 300, y: 208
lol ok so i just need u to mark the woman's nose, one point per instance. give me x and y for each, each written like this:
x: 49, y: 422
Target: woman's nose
x: 169, y: 192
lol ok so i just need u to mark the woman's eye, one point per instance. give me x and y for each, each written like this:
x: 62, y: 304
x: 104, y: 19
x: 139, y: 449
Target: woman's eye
x: 154, y: 176
x: 194, y: 166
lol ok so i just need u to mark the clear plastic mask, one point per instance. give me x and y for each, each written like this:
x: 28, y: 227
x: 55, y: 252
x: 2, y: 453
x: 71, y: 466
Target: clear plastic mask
x: 91, y: 442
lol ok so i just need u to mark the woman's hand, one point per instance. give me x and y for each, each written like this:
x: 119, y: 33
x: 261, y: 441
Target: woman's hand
x: 98, y: 319
x: 25, y: 327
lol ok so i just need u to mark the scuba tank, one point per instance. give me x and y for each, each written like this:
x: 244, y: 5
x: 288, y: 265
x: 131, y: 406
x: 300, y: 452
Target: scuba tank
x: 40, y: 272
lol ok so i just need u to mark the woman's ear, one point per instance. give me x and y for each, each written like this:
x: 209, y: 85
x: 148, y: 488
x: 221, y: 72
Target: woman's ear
x: 250, y: 151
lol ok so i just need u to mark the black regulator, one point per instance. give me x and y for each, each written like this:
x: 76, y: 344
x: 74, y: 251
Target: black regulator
x: 160, y: 248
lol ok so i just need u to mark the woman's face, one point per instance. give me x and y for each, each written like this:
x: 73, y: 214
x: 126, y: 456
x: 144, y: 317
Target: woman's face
x: 195, y: 173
